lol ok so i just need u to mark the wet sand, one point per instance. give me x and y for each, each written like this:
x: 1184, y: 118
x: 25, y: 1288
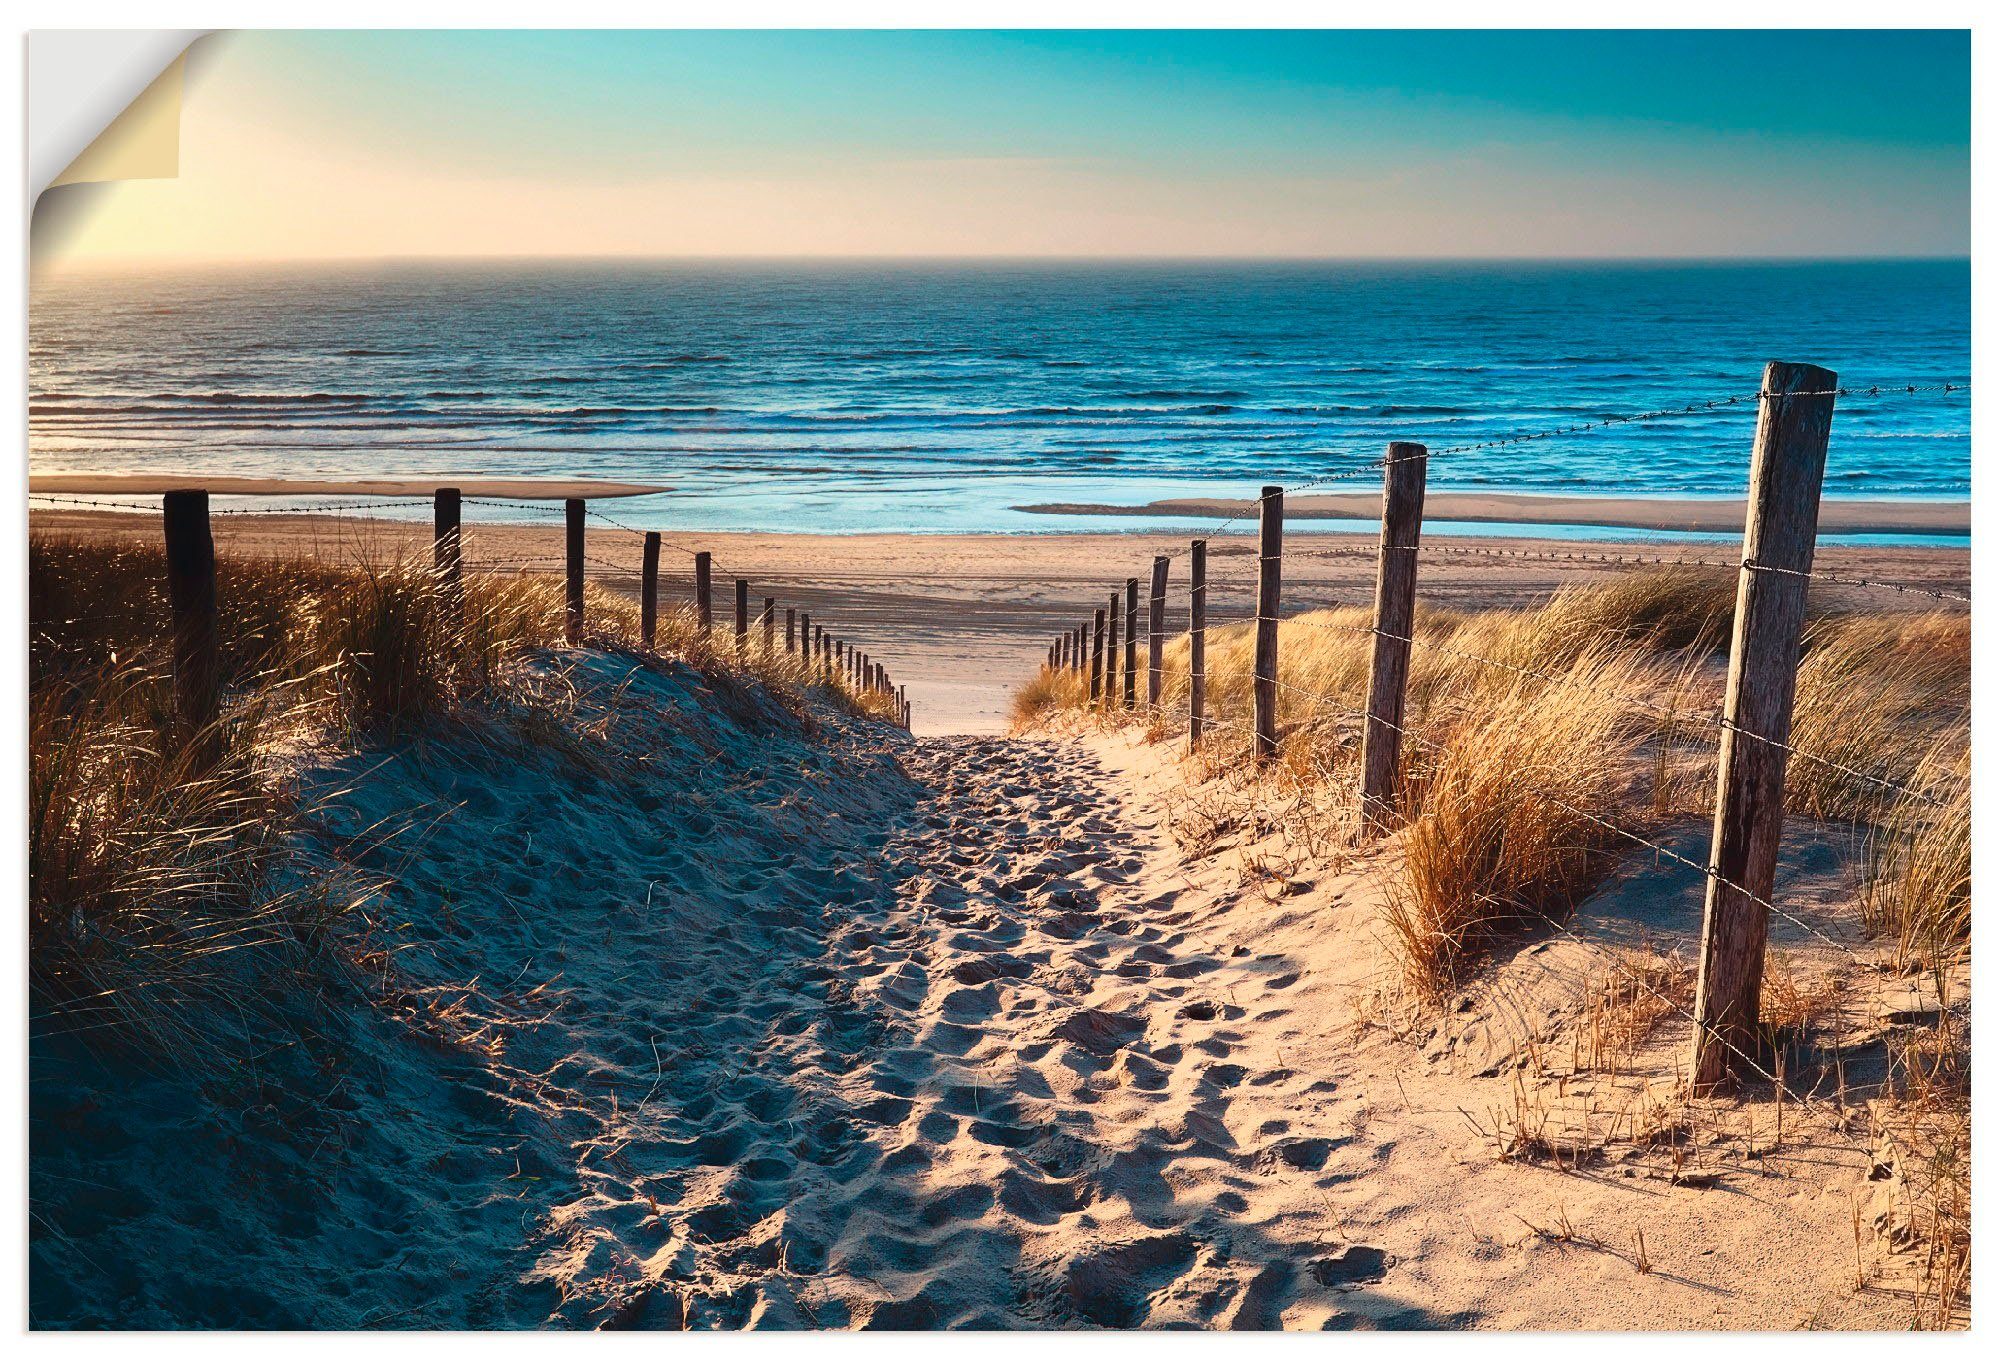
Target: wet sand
x: 963, y: 618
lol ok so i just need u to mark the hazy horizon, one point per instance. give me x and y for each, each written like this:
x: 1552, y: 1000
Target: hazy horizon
x: 1082, y: 145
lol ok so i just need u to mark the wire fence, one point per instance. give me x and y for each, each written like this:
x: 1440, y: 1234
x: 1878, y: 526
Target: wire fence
x: 1756, y: 689
x: 822, y: 654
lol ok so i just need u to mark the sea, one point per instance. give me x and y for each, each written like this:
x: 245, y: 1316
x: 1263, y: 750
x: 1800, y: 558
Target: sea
x: 954, y: 397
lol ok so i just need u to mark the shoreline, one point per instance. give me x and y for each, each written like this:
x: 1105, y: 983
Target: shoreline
x: 1640, y: 513
x: 153, y: 483
x: 962, y: 618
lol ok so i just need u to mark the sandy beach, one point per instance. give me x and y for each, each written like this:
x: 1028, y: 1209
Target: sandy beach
x: 1714, y: 515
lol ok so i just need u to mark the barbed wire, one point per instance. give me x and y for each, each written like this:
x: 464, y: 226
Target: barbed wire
x: 1839, y: 579
x: 1708, y: 871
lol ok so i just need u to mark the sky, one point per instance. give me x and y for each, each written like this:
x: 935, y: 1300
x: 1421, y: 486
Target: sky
x: 304, y: 145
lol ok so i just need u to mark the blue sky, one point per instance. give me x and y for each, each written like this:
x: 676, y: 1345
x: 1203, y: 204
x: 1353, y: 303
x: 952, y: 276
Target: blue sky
x: 1256, y: 143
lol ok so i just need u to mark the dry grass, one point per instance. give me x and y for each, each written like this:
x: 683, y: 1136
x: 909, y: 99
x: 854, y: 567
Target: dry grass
x: 1639, y: 991
x: 152, y: 910
x: 1510, y: 818
x: 1918, y: 886
x: 153, y: 873
x: 1874, y: 694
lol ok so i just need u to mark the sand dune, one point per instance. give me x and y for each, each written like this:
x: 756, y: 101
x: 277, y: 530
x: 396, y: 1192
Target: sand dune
x: 714, y: 1014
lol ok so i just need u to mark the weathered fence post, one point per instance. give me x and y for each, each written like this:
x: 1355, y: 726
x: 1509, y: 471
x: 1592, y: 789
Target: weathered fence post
x: 1270, y: 550
x: 791, y: 630
x: 1131, y: 641
x: 1395, y: 619
x: 1794, y: 419
x: 447, y: 551
x: 191, y: 592
x: 1111, y: 657
x: 573, y: 570
x: 649, y: 590
x: 770, y: 619
x: 819, y: 649
x: 1197, y: 637
x: 1097, y: 658
x: 704, y: 601
x: 1156, y: 631
x: 742, y: 616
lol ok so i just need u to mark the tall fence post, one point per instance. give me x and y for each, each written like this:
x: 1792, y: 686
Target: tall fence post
x: 1395, y: 619
x: 447, y: 552
x: 1097, y: 658
x: 1787, y: 464
x: 1131, y: 641
x: 704, y: 595
x: 770, y: 626
x: 742, y: 615
x: 1156, y: 631
x: 1270, y: 554
x: 1111, y: 656
x: 1197, y: 638
x: 649, y: 590
x: 191, y: 592
x: 791, y: 630
x: 573, y: 570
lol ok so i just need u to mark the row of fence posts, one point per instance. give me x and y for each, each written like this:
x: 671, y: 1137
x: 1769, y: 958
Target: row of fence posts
x: 192, y: 597
x: 1788, y: 462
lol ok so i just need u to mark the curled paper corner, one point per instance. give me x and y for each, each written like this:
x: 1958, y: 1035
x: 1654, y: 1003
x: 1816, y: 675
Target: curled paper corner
x: 142, y: 142
x: 105, y: 104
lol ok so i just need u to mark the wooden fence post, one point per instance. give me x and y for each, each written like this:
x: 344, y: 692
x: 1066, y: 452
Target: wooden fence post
x: 1197, y: 638
x: 1131, y: 641
x: 1111, y: 657
x: 770, y: 618
x: 704, y: 601
x: 1786, y: 468
x: 191, y: 592
x: 819, y: 649
x: 742, y: 616
x: 1270, y: 551
x: 447, y: 542
x: 1395, y: 619
x: 1097, y: 659
x: 1156, y: 631
x: 791, y: 630
x: 649, y: 590
x: 573, y: 570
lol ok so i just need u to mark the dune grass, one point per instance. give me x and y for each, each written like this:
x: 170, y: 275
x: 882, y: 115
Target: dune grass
x: 1536, y: 731
x: 158, y: 874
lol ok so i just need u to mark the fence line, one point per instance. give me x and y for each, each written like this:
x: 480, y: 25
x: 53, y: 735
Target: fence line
x: 1795, y: 405
x: 192, y: 594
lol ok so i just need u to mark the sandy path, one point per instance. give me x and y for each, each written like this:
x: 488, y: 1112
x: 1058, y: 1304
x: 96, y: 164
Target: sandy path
x: 1048, y: 1074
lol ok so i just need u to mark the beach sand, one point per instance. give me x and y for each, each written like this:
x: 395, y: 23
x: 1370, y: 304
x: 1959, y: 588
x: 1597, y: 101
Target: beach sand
x: 962, y: 619
x: 1714, y: 515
